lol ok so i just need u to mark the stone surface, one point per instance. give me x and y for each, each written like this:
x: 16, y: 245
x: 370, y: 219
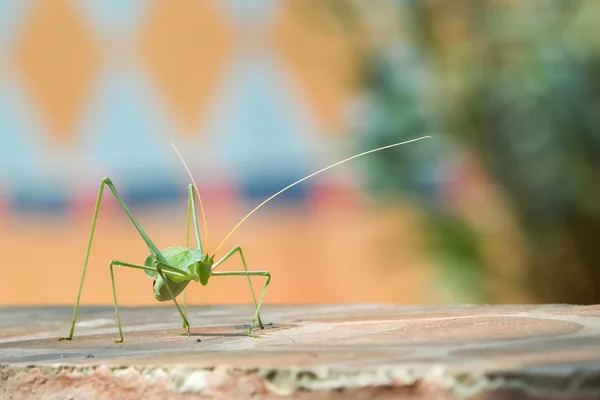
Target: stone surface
x: 320, y: 351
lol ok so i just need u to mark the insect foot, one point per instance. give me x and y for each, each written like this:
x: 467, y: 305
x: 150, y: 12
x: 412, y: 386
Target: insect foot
x: 60, y: 339
x: 251, y: 329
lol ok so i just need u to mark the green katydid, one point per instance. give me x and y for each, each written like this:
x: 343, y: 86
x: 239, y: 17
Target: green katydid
x: 175, y: 267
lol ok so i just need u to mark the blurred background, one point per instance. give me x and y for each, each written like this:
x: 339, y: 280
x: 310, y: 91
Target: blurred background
x: 500, y: 206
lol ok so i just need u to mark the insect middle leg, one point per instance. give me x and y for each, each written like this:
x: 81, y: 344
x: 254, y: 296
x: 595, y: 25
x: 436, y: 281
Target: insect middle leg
x: 136, y: 266
x: 249, y: 274
x: 238, y: 249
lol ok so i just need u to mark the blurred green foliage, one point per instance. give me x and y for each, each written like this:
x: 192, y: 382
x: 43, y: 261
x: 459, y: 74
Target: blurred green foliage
x: 516, y: 84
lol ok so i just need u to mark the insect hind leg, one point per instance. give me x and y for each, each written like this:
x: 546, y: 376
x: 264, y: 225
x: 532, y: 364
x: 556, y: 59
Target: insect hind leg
x: 153, y: 249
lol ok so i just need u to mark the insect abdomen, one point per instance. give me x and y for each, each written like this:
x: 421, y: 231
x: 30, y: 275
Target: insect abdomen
x: 161, y: 292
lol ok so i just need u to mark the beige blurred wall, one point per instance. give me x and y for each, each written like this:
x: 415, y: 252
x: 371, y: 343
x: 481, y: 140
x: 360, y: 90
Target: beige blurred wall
x: 327, y: 255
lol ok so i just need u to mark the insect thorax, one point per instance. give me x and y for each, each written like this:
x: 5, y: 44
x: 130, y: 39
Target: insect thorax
x: 191, y: 262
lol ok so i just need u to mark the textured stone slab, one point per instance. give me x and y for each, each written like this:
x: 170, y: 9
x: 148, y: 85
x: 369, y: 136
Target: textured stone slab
x: 320, y: 351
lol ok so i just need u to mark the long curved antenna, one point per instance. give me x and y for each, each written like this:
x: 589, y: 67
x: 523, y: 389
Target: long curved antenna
x: 310, y: 176
x: 197, y: 192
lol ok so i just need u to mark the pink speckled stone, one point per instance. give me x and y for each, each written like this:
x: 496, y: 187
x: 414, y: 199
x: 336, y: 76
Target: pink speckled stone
x: 317, y: 351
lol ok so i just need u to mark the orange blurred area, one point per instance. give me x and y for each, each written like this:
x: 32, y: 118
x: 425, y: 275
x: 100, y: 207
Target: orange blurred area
x: 314, y: 256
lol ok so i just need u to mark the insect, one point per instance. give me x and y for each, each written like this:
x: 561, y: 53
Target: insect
x: 173, y: 268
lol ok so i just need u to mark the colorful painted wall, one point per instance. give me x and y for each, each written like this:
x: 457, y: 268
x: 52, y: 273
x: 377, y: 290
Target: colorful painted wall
x: 255, y: 94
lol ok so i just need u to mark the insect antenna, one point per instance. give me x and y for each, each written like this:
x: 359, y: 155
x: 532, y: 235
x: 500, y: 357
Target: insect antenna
x: 197, y: 192
x: 310, y: 176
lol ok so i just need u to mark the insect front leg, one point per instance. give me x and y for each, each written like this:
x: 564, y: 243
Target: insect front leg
x: 238, y: 249
x: 191, y: 212
x: 248, y: 274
